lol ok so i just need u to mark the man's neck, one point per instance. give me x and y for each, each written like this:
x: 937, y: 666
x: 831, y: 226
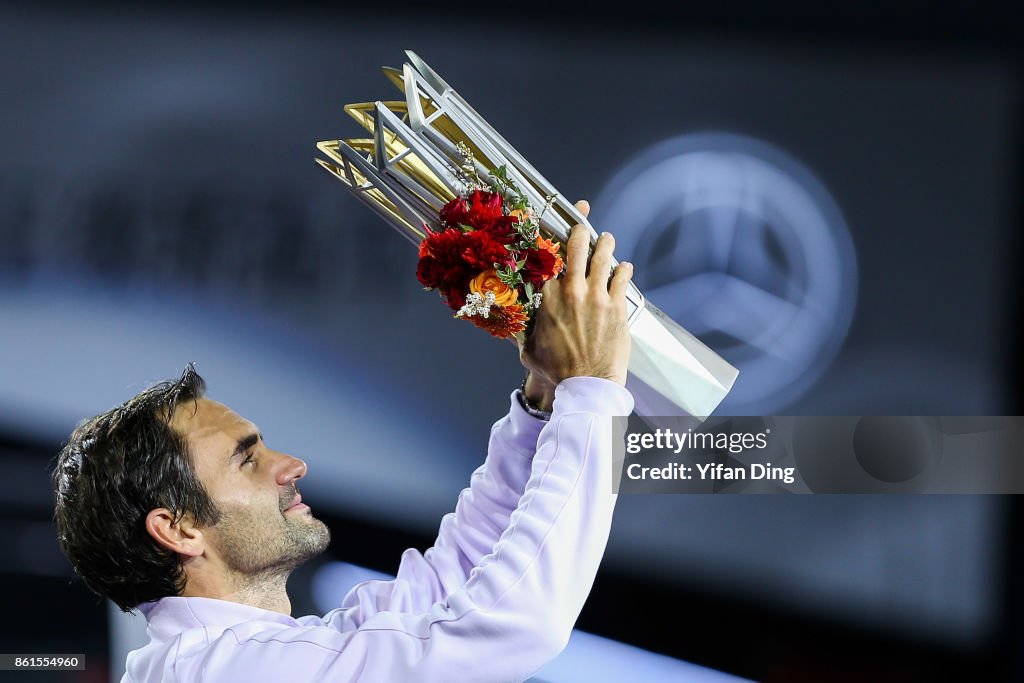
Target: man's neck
x: 267, y: 592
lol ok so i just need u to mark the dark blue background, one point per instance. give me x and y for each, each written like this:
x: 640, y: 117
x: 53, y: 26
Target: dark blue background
x: 159, y: 205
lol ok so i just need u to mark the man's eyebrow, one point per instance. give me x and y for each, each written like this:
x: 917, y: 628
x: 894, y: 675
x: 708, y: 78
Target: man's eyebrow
x: 244, y: 444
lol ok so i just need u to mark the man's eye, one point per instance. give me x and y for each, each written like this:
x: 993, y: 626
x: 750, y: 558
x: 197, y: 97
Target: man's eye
x: 248, y: 459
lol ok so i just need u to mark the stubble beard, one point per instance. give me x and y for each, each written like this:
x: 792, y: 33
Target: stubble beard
x: 266, y: 542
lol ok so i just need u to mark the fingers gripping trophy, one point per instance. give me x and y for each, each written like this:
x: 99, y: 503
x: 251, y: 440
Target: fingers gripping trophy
x: 494, y: 238
x: 583, y: 320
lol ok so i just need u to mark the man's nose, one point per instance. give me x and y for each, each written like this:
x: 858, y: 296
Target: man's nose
x: 289, y: 468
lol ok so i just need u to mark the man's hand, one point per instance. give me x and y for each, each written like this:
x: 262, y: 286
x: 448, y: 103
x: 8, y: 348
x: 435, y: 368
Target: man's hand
x: 580, y: 329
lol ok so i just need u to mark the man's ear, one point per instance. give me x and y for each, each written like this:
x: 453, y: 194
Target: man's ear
x: 182, y: 537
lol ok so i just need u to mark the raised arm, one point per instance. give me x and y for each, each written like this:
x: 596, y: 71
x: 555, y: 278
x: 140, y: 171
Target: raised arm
x: 575, y: 335
x: 521, y: 601
x: 466, y: 535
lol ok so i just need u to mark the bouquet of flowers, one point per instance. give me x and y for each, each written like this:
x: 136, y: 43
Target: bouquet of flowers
x: 489, y: 260
x: 489, y: 228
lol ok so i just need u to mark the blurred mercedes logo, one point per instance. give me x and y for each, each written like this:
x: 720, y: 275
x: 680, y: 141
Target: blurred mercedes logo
x: 743, y: 246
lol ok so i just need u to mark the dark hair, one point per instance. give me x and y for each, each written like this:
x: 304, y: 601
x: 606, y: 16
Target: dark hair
x: 114, y: 469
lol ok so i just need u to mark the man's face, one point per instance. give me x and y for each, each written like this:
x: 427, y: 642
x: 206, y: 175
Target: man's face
x: 263, y: 526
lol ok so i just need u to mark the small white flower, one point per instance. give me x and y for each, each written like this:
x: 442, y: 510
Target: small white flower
x: 477, y: 304
x: 537, y: 297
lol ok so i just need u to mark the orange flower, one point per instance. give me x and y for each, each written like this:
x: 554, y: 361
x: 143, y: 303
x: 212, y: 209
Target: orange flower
x: 488, y: 281
x: 502, y: 322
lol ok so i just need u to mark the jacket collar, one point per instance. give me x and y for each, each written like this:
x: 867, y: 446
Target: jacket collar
x: 170, y: 616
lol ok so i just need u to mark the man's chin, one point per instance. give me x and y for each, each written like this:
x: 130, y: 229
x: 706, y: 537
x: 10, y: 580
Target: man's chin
x: 304, y: 517
x: 323, y: 539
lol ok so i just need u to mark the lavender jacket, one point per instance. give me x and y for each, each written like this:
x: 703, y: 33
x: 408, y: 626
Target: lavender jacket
x: 494, y: 599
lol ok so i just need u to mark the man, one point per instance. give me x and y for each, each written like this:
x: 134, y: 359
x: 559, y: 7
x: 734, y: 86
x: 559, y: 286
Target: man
x: 174, y: 505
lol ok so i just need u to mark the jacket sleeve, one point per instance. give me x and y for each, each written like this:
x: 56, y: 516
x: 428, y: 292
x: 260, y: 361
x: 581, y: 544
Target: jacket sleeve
x: 517, y: 608
x: 466, y: 535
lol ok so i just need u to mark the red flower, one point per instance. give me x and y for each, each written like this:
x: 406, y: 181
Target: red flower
x: 542, y: 263
x: 441, y: 263
x: 434, y: 274
x: 481, y: 250
x: 454, y: 213
x: 480, y: 211
x: 454, y: 297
